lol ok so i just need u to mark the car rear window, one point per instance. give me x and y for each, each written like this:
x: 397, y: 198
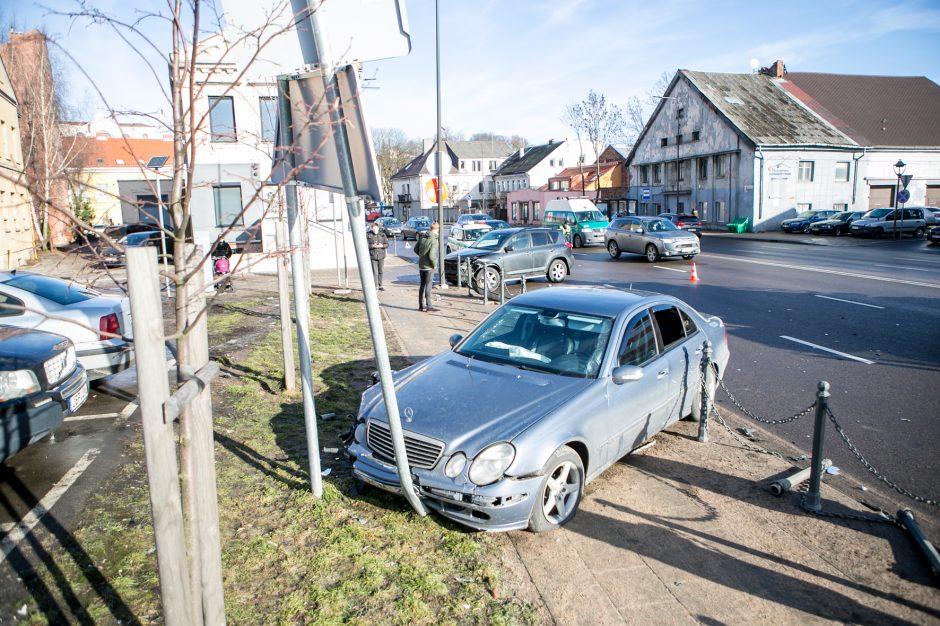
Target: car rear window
x: 58, y: 291
x: 539, y: 238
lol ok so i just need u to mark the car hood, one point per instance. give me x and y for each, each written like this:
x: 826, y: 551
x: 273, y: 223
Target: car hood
x: 674, y: 234
x: 868, y: 222
x: 471, y: 253
x: 469, y: 404
x: 20, y: 348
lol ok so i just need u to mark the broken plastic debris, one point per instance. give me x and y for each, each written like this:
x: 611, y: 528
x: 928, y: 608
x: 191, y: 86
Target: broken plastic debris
x: 328, y: 416
x: 326, y: 472
x: 22, y: 611
x: 904, y: 419
x: 747, y: 432
x: 832, y: 470
x: 863, y: 487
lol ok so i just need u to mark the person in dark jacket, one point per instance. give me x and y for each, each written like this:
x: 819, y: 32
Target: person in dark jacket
x: 426, y: 249
x: 378, y: 244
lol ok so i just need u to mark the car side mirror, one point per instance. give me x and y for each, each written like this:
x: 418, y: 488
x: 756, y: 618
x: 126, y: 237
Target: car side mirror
x: 508, y: 249
x: 455, y: 339
x: 626, y: 374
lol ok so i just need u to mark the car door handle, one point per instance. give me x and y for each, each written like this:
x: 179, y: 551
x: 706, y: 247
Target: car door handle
x: 662, y: 373
x: 698, y: 351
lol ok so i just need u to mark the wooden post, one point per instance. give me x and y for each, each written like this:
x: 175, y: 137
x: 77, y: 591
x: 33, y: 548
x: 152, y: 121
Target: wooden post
x: 196, y: 434
x: 283, y: 297
x: 159, y: 438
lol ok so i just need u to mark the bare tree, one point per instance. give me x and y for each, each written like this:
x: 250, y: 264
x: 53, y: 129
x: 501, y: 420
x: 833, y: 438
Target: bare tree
x: 599, y: 122
x: 393, y: 151
x: 574, y: 117
x: 635, y: 117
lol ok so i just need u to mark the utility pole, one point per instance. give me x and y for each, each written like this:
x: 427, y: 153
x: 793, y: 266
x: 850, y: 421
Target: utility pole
x: 440, y: 148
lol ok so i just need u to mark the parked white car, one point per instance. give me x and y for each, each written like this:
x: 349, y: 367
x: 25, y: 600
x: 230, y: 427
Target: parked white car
x: 88, y: 317
x: 463, y: 235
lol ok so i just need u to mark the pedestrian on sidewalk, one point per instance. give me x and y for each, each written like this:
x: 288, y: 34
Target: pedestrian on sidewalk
x: 566, y: 230
x: 426, y: 249
x: 378, y: 244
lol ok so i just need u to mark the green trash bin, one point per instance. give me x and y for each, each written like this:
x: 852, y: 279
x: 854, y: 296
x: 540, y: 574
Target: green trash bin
x: 738, y: 226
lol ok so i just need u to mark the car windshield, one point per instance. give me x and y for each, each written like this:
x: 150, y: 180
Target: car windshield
x: 842, y: 216
x: 54, y: 289
x: 805, y: 214
x: 877, y: 213
x: 473, y: 217
x: 491, y: 240
x: 390, y: 221
x: 658, y: 225
x: 589, y: 216
x: 547, y: 340
x: 136, y: 239
x: 473, y: 233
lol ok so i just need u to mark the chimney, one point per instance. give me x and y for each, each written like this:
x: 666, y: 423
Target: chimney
x: 778, y: 69
x: 521, y: 152
x: 551, y: 141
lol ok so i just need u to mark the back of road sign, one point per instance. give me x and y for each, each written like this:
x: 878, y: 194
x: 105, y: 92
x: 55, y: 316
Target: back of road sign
x: 358, y: 30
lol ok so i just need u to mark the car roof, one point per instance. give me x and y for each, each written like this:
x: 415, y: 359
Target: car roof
x: 606, y: 301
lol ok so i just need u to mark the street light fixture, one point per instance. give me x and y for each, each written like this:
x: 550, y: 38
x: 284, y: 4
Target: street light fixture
x: 155, y: 163
x: 899, y: 170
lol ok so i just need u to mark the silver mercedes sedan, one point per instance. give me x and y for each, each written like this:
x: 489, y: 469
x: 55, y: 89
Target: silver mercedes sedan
x: 504, y: 430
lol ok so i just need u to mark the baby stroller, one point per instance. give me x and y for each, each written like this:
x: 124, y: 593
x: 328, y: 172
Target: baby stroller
x: 221, y: 267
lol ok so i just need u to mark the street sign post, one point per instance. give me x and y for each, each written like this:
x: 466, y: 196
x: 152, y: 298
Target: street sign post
x: 906, y: 180
x: 904, y: 196
x: 647, y: 195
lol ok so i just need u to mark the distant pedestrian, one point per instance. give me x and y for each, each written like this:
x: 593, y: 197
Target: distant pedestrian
x: 566, y: 230
x: 378, y: 244
x: 427, y: 249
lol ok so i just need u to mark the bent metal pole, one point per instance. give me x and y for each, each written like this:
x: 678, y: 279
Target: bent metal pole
x: 357, y: 223
x: 301, y: 285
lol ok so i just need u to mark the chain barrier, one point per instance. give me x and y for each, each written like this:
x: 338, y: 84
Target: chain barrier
x: 871, y: 468
x: 741, y: 408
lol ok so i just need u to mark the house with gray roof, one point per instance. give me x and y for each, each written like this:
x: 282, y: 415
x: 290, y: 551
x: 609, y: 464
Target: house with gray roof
x: 770, y: 144
x: 530, y: 168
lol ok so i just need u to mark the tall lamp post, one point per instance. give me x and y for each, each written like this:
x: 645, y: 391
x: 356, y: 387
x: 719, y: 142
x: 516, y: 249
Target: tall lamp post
x: 155, y: 163
x: 440, y: 149
x: 899, y: 198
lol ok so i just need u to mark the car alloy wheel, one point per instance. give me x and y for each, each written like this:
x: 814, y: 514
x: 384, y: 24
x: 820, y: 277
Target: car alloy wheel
x: 557, y: 271
x: 613, y: 249
x: 919, y: 233
x: 493, y: 279
x: 577, y: 242
x: 652, y: 254
x: 837, y: 232
x: 806, y: 230
x: 560, y: 492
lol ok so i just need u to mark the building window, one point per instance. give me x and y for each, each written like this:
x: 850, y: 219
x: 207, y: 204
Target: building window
x: 842, y: 171
x: 551, y: 162
x: 477, y: 166
x: 480, y: 187
x: 840, y: 206
x: 703, y: 169
x: 228, y: 205
x: 678, y: 139
x: 664, y: 142
x: 561, y: 162
x: 525, y: 211
x: 564, y: 185
x: 222, y: 118
x: 492, y: 166
x: 719, y: 167
x: 680, y: 114
x: 702, y: 210
x: 268, y: 107
x: 645, y: 174
x: 102, y: 190
x: 721, y: 212
x: 696, y: 135
x: 553, y: 185
x: 515, y: 212
x: 804, y: 206
x: 536, y: 206
x: 657, y: 174
x: 805, y: 174
x: 681, y: 165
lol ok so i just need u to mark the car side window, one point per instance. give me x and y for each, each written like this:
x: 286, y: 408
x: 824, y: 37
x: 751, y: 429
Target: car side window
x: 539, y: 238
x: 520, y: 242
x: 618, y: 223
x: 10, y: 306
x: 688, y: 324
x: 639, y: 341
x: 555, y: 236
x: 671, y: 327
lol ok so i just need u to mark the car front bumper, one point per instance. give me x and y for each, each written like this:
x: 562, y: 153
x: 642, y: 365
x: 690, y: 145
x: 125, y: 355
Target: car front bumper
x: 501, y: 506
x: 680, y: 249
x: 593, y: 236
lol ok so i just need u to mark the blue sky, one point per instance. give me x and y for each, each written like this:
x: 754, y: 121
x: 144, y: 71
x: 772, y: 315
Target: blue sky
x: 510, y: 66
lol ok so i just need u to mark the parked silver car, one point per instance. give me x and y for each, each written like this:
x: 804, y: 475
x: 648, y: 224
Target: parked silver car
x: 884, y: 221
x: 503, y: 431
x: 653, y: 237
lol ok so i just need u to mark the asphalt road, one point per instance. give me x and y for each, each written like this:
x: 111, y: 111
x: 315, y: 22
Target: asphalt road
x: 876, y: 304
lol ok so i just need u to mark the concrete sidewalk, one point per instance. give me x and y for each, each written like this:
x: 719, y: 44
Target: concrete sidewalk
x: 686, y: 532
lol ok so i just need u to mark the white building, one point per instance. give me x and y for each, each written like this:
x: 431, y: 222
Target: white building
x: 530, y: 168
x: 767, y: 145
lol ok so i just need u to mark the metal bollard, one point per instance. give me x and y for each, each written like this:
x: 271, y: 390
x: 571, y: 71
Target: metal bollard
x: 812, y: 501
x: 459, y: 269
x: 502, y: 291
x: 706, y: 408
x: 486, y: 285
x: 906, y: 519
x: 469, y: 279
x: 523, y: 284
x: 779, y: 487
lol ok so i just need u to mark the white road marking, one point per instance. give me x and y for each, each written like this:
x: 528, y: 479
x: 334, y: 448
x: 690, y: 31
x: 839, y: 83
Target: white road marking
x: 825, y: 349
x: 127, y: 411
x: 18, y: 530
x: 902, y: 267
x: 822, y: 270
x: 671, y: 269
x: 95, y: 416
x: 873, y: 306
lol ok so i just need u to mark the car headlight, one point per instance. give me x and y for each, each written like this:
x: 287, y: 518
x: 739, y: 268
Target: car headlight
x: 455, y: 465
x: 488, y: 466
x: 17, y: 383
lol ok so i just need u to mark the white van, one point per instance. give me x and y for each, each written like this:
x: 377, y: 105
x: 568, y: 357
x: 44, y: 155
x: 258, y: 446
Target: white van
x: 588, y: 225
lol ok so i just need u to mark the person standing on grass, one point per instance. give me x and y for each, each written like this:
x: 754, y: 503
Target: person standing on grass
x: 426, y: 249
x: 378, y: 244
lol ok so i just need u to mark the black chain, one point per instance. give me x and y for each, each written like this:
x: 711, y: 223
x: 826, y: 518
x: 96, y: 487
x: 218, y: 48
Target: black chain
x: 871, y: 468
x: 740, y: 407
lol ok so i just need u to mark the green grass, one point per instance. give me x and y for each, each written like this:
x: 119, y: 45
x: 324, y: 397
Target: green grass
x: 288, y: 557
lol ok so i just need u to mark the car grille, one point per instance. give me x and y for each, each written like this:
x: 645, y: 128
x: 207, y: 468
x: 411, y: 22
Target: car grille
x: 423, y: 452
x: 59, y: 366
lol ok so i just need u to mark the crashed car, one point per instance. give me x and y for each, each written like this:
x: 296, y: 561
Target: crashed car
x: 503, y: 431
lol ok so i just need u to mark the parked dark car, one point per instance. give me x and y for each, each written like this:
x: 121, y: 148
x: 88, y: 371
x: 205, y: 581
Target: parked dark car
x: 836, y: 225
x: 933, y: 236
x: 390, y: 225
x: 413, y: 226
x: 511, y: 253
x: 40, y: 382
x: 685, y: 222
x: 114, y: 256
x: 497, y: 224
x: 802, y: 222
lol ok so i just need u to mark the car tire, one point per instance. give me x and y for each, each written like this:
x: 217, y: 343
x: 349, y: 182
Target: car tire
x: 613, y: 249
x: 577, y: 242
x: 807, y: 230
x: 688, y: 257
x: 837, y: 232
x: 919, y: 232
x: 696, y: 414
x: 560, y: 492
x: 879, y: 233
x: 652, y: 253
x: 494, y: 278
x: 557, y: 271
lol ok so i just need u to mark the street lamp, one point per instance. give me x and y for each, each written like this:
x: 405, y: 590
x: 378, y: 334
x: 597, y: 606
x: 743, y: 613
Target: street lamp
x: 899, y: 170
x: 155, y: 163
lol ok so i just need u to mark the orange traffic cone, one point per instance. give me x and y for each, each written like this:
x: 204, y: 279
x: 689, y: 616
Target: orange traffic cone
x: 694, y: 277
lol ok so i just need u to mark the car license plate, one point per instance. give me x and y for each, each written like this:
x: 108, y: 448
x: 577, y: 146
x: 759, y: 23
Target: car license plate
x: 78, y: 398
